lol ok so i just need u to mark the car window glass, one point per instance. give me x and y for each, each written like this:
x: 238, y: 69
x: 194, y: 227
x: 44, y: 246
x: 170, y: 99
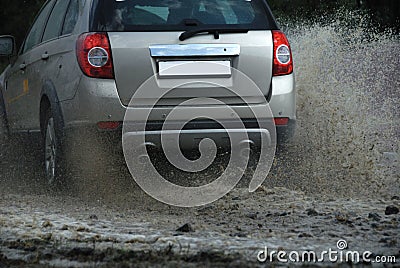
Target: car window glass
x: 35, y: 34
x: 53, y: 27
x: 139, y: 15
x: 71, y: 17
x: 161, y: 12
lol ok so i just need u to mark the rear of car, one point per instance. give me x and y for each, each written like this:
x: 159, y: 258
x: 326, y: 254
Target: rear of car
x: 83, y: 61
x: 130, y: 41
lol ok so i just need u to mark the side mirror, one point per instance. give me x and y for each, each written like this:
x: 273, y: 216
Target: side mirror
x: 7, y: 46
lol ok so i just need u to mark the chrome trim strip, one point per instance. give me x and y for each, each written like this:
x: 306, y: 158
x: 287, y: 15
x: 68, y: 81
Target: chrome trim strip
x: 190, y: 50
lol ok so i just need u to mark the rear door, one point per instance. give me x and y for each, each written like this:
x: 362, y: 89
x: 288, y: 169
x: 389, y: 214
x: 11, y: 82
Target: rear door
x: 58, y: 49
x: 42, y: 57
x: 144, y: 37
x: 24, y: 79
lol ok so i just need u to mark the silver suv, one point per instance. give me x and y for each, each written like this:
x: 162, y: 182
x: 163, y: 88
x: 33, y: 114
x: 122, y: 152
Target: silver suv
x: 83, y: 60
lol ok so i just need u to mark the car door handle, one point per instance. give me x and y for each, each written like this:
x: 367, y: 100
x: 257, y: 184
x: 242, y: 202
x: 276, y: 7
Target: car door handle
x: 45, y: 56
x: 22, y: 66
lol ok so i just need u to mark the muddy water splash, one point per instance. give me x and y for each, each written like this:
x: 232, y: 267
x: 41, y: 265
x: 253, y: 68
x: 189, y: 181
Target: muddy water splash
x: 348, y: 85
x: 348, y: 130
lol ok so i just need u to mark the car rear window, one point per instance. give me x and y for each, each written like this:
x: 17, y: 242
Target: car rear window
x: 170, y: 15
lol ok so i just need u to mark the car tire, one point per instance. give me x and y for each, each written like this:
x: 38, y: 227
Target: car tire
x: 54, y: 162
x: 75, y: 160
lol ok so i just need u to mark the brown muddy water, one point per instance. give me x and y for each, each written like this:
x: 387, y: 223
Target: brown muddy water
x: 334, y: 181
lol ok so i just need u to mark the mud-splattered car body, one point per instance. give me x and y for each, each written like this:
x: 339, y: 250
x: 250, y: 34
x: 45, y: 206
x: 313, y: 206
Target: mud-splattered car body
x: 82, y: 61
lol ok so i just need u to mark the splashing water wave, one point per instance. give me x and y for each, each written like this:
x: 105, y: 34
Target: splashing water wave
x: 348, y: 85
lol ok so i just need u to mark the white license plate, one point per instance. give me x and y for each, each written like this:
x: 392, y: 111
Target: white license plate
x: 195, y: 68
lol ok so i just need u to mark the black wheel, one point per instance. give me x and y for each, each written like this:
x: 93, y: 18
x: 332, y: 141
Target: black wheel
x: 53, y: 151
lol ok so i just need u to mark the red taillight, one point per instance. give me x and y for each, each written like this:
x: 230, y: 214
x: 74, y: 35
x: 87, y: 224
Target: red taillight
x: 281, y: 121
x: 94, y: 55
x: 283, y: 61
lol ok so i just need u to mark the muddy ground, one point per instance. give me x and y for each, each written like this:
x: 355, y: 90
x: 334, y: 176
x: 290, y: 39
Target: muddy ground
x: 121, y: 225
x: 338, y: 179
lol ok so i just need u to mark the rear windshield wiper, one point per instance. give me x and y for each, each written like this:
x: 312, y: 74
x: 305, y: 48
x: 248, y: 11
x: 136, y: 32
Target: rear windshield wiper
x: 214, y: 31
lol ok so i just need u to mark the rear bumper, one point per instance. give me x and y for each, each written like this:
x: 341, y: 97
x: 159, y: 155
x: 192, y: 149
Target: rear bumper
x: 224, y: 134
x: 190, y: 139
x: 97, y: 101
x: 159, y: 136
x: 195, y: 131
